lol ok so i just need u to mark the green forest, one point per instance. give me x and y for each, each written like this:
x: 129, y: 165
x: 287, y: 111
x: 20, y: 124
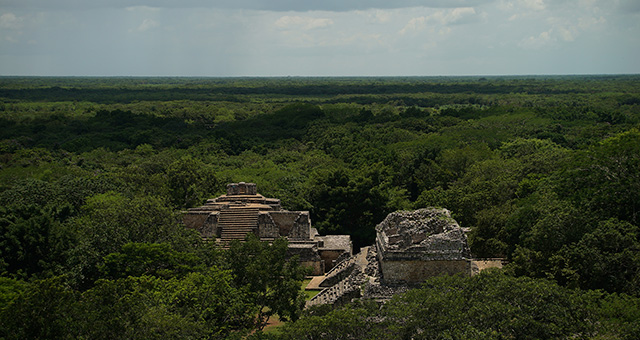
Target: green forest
x: 95, y: 172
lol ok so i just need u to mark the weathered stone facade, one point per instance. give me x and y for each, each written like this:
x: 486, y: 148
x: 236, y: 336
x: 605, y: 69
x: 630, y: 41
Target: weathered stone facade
x: 415, y: 245
x: 411, y: 246
x: 243, y: 210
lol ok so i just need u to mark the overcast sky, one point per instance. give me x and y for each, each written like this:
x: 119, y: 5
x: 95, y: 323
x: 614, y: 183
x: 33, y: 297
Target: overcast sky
x: 318, y: 37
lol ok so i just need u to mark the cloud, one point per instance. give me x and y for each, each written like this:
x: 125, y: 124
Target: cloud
x: 537, y: 42
x: 10, y: 21
x: 563, y: 30
x: 300, y: 22
x: 442, y: 18
x: 536, y: 5
x: 566, y: 34
x: 380, y: 16
x: 455, y: 16
x: 414, y: 24
x: 142, y: 9
x: 268, y: 5
x: 147, y: 24
x: 523, y: 8
x: 586, y: 23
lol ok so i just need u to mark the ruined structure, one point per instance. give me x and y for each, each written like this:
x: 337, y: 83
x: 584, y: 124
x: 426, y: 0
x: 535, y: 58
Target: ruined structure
x: 243, y: 210
x: 411, y: 246
x: 415, y: 245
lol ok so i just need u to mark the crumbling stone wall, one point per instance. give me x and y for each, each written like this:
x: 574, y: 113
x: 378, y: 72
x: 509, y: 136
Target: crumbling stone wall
x: 331, y: 256
x: 285, y: 221
x: 301, y: 228
x: 242, y: 188
x: 195, y: 219
x: 308, y: 256
x: 415, y: 245
x: 414, y: 271
x: 424, y: 233
x: 210, y: 228
x: 294, y: 225
x: 267, y: 228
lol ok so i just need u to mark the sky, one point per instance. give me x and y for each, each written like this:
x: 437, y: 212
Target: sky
x: 318, y: 37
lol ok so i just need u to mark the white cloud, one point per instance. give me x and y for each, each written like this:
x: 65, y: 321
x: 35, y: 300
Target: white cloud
x: 586, y: 23
x: 442, y: 18
x: 304, y: 23
x: 414, y: 24
x: 454, y: 16
x: 380, y: 16
x: 142, y: 9
x: 13, y: 26
x: 563, y: 29
x: 10, y: 21
x: 536, y: 5
x: 147, y: 24
x: 566, y: 34
x: 539, y: 41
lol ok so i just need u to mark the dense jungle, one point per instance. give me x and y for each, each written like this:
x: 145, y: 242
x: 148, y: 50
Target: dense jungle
x: 94, y: 173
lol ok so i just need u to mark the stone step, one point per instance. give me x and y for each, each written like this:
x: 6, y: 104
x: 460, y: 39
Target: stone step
x: 228, y: 215
x: 234, y: 220
x: 342, y: 290
x: 237, y: 223
x: 237, y: 231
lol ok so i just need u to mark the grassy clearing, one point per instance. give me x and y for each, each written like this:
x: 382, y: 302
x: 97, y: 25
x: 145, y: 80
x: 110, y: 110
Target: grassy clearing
x: 309, y: 294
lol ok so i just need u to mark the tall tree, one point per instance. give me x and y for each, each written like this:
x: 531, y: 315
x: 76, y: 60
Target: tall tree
x: 271, y: 278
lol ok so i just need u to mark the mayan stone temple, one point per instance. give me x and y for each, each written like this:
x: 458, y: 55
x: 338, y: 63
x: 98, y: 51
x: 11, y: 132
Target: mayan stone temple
x: 415, y: 245
x: 411, y: 246
x: 243, y: 210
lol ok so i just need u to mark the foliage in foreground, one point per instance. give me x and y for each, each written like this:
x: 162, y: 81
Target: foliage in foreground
x: 152, y: 291
x: 492, y: 305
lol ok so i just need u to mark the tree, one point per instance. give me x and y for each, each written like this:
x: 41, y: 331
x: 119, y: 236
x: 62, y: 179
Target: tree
x: 270, y: 277
x: 190, y: 181
x: 351, y: 202
x: 151, y: 259
x: 491, y: 305
x: 42, y: 310
x: 353, y: 322
x: 606, y: 178
x: 32, y: 242
x: 111, y: 220
x: 607, y: 258
x: 200, y: 305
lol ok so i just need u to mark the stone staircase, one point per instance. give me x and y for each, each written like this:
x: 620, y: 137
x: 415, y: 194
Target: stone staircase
x: 340, y: 293
x: 237, y: 223
x: 339, y: 272
x: 343, y: 282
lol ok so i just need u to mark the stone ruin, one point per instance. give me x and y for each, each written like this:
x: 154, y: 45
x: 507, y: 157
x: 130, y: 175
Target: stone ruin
x: 243, y: 210
x: 410, y: 247
x: 413, y: 246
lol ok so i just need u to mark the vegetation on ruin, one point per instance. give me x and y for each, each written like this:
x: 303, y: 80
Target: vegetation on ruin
x: 545, y: 171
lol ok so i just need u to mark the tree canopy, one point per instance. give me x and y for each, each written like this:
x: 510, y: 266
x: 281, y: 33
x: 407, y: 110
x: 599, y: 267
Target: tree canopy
x: 94, y: 173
